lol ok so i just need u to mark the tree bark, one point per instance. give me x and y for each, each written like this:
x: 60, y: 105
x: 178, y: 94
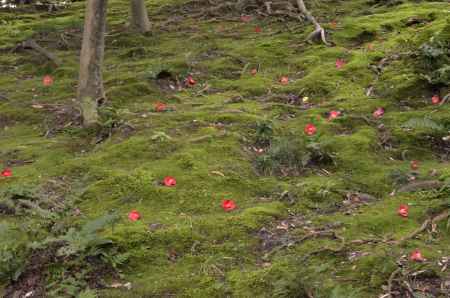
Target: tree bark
x: 139, y: 16
x: 90, y: 86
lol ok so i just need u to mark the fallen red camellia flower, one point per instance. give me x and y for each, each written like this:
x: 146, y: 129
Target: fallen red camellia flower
x: 246, y: 18
x: 160, y: 107
x: 416, y: 256
x: 6, y: 172
x: 170, y: 181
x: 310, y: 129
x: 258, y: 29
x: 253, y: 72
x: 403, y: 210
x: 378, y: 113
x: 47, y: 80
x: 228, y: 205
x: 340, y: 63
x: 333, y: 24
x: 436, y: 100
x: 134, y: 215
x: 414, y: 165
x: 333, y: 115
x: 284, y: 80
x: 190, y: 81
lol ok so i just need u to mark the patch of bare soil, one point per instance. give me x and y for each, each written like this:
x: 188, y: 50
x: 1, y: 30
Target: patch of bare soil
x: 31, y: 282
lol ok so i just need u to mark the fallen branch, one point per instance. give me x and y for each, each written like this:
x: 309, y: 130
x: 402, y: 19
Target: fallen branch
x: 31, y: 44
x: 319, y: 32
x: 391, y: 280
x: 421, y: 185
x: 424, y: 226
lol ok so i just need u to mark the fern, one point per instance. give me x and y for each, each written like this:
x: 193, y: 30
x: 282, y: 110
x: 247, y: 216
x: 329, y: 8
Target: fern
x: 423, y: 123
x: 83, y: 241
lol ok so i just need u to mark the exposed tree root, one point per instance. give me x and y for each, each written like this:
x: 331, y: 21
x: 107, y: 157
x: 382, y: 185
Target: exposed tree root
x: 425, y: 225
x: 421, y: 185
x: 391, y: 281
x: 32, y: 44
x: 319, y: 32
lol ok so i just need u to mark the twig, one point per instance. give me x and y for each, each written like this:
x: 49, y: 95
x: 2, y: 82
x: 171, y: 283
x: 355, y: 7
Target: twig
x: 424, y: 226
x: 444, y: 100
x: 391, y: 280
x: 31, y: 44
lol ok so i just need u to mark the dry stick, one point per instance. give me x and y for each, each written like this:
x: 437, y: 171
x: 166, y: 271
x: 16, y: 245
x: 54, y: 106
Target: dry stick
x: 424, y: 226
x: 319, y: 31
x: 30, y: 43
x: 391, y: 280
x: 444, y: 100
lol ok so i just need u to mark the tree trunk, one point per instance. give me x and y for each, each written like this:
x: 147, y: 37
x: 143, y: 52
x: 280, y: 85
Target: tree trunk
x: 139, y: 16
x: 90, y: 85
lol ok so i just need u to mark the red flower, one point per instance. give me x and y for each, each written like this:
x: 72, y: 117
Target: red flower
x: 47, y: 80
x: 258, y: 29
x: 228, y: 205
x: 378, y: 113
x: 134, y: 215
x: 246, y: 18
x: 370, y: 47
x: 170, y: 181
x: 160, y: 107
x: 310, y: 129
x: 189, y: 81
x: 340, y: 63
x: 333, y: 24
x: 333, y: 115
x: 253, y: 72
x: 284, y: 80
x: 414, y: 165
x: 403, y: 210
x: 416, y: 256
x: 436, y: 100
x: 6, y: 172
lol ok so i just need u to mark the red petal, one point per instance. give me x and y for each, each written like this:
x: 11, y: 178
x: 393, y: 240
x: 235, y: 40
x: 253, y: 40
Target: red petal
x: 416, y: 256
x: 340, y: 63
x: 170, y: 181
x: 414, y: 165
x: 378, y: 113
x: 134, y: 215
x: 228, y: 205
x: 47, y: 80
x: 403, y: 210
x: 6, y: 173
x: 310, y: 129
x: 435, y: 100
x: 284, y: 80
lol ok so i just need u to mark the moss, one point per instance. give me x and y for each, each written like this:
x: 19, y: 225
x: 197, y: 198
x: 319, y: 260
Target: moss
x: 185, y: 244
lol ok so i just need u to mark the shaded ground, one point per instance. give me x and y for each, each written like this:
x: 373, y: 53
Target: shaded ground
x: 317, y: 215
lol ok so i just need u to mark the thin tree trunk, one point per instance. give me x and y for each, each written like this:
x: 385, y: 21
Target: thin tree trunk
x: 90, y: 86
x: 139, y: 16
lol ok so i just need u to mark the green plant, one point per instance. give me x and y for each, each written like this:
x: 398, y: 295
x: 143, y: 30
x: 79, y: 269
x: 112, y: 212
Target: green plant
x: 85, y: 241
x: 423, y: 124
x: 435, y: 56
x: 12, y: 252
x: 264, y: 132
x: 291, y: 156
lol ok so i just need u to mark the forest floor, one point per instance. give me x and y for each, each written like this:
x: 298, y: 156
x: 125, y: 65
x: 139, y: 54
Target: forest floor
x: 317, y: 215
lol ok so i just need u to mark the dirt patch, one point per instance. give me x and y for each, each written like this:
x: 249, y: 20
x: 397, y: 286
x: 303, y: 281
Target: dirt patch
x: 31, y: 283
